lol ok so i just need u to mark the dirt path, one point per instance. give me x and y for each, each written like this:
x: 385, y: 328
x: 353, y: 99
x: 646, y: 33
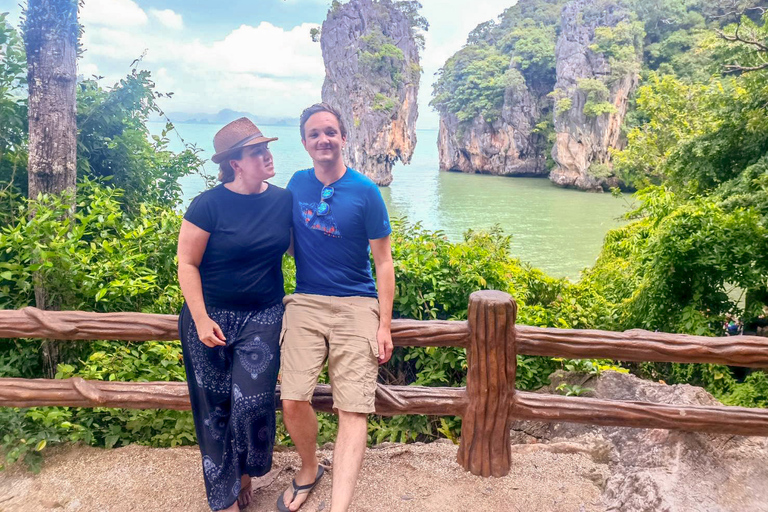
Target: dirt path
x: 394, y: 477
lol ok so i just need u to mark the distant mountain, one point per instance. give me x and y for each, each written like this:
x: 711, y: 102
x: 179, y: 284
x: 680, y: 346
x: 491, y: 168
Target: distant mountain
x: 227, y: 115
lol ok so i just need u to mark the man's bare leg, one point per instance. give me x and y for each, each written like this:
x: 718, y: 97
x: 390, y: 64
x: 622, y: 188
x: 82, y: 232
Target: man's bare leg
x: 301, y: 421
x: 348, y: 458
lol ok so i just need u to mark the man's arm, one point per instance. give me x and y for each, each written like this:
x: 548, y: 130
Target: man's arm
x: 385, y: 281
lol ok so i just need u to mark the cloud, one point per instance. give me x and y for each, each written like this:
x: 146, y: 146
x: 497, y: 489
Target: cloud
x: 113, y: 13
x: 266, y: 50
x: 112, y: 43
x: 168, y: 18
x: 264, y: 69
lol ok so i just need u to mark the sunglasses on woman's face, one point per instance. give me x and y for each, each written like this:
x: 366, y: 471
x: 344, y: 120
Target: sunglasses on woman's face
x: 325, y: 195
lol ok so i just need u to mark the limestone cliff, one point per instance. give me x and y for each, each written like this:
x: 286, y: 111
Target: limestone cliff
x: 593, y: 87
x: 547, y: 77
x: 372, y: 77
x: 507, y: 146
x: 492, y: 94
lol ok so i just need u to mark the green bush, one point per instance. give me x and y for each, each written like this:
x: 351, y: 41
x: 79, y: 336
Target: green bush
x: 434, y: 278
x: 102, y: 259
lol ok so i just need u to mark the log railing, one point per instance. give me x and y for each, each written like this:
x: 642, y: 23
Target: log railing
x: 487, y: 405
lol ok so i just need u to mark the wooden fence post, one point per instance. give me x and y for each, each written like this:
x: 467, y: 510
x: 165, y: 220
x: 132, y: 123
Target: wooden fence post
x: 491, y: 366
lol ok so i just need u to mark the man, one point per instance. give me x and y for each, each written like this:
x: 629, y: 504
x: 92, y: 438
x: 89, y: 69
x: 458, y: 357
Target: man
x: 338, y: 214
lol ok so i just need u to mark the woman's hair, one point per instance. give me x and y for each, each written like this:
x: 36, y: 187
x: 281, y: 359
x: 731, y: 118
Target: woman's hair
x: 226, y: 172
x: 320, y: 107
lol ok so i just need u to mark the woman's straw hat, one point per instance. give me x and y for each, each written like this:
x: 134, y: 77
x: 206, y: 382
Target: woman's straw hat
x: 237, y: 134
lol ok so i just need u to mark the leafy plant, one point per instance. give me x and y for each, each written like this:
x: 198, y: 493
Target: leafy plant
x: 572, y: 389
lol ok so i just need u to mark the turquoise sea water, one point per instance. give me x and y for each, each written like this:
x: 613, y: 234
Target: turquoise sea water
x: 557, y: 230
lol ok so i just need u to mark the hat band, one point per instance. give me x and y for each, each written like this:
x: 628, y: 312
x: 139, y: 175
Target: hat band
x: 246, y: 140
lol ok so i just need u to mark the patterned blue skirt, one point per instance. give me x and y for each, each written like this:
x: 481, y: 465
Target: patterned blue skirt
x: 232, y: 390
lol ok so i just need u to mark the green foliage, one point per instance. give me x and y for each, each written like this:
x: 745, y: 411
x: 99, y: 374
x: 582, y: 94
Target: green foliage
x: 600, y: 170
x: 516, y: 51
x: 417, y: 22
x: 415, y: 71
x: 13, y: 77
x: 532, y: 46
x: 572, y: 389
x: 593, y: 367
x: 533, y: 372
x: 13, y: 114
x: 26, y: 433
x: 100, y: 260
x: 670, y: 111
x: 697, y: 242
x: 753, y: 392
x: 382, y: 102
x: 434, y: 279
x: 102, y: 360
x: 563, y: 105
x: 114, y: 142
x: 472, y: 83
x: 622, y: 45
x: 380, y: 57
x: 672, y: 269
x: 116, y: 254
x: 597, y: 94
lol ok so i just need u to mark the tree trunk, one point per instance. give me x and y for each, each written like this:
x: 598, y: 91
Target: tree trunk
x: 50, y: 37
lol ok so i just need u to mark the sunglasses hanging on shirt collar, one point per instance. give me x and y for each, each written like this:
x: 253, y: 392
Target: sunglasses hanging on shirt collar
x: 325, y: 195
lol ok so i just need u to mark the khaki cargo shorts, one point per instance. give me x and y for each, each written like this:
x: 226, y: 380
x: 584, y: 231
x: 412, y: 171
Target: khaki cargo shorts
x: 343, y: 329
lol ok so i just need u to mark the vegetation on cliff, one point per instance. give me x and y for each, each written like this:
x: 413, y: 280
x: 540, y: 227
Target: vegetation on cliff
x: 632, y: 37
x: 519, y: 48
x: 371, y: 53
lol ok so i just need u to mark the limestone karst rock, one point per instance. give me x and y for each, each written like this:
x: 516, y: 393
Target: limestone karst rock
x: 547, y: 77
x: 596, y: 88
x: 506, y: 146
x: 372, y: 74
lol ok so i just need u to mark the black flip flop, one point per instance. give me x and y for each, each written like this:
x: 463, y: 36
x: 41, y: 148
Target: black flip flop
x: 300, y: 489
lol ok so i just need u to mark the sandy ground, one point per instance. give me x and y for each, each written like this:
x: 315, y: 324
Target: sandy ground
x: 554, y: 477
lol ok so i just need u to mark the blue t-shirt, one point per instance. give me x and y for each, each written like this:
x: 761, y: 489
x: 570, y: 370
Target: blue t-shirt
x: 332, y: 251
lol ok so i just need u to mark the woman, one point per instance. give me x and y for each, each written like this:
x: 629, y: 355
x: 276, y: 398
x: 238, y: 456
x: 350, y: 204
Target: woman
x: 230, y: 251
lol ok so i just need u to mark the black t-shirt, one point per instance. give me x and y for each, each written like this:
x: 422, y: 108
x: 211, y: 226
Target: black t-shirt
x: 241, y: 266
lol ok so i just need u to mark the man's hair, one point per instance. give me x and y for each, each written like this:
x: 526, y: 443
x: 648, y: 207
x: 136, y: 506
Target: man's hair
x: 320, y: 107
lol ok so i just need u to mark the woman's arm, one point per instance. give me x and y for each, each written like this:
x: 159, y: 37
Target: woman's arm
x: 192, y: 244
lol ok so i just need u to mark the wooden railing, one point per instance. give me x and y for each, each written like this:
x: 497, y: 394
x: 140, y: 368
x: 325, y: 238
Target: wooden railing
x: 487, y: 405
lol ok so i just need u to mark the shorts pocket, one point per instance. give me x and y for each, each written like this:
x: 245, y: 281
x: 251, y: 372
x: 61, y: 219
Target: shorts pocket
x: 374, y: 346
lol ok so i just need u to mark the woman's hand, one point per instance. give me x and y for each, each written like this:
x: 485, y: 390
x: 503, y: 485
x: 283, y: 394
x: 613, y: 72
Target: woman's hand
x: 210, y: 333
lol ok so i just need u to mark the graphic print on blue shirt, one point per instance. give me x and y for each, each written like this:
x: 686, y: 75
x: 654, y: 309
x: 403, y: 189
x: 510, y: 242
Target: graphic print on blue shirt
x: 324, y: 223
x: 328, y: 263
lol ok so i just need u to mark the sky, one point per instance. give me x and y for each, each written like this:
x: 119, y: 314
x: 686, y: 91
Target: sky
x: 248, y: 55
